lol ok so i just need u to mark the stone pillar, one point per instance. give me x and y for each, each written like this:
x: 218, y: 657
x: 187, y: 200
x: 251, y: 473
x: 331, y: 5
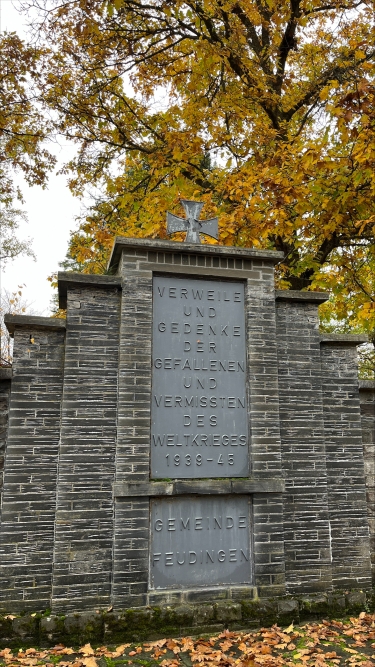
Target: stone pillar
x: 345, y: 469
x: 82, y: 574
x: 265, y: 447
x: 29, y: 496
x: 5, y: 384
x: 367, y: 405
x: 130, y: 579
x: 306, y: 520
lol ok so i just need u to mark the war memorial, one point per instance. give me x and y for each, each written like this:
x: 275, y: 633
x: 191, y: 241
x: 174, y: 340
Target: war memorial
x: 186, y: 450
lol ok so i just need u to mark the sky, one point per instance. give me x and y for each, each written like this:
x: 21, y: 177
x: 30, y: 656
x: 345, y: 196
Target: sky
x: 51, y: 214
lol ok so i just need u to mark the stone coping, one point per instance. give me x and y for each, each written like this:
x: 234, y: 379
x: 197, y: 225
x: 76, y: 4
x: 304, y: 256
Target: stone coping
x: 344, y: 339
x: 6, y: 373
x: 299, y: 295
x: 67, y: 279
x: 122, y: 243
x: 199, y: 486
x: 33, y: 322
x: 367, y: 385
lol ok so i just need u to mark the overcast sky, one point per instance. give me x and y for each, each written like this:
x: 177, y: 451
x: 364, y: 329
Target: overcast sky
x: 51, y: 214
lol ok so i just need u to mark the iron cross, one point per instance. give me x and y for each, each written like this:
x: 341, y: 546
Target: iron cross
x: 192, y: 225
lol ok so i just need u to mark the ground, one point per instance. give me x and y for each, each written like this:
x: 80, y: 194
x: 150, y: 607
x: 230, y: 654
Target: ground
x: 349, y: 642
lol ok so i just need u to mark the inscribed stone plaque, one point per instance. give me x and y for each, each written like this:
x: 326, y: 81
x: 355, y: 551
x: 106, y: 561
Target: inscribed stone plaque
x: 200, y: 541
x: 199, y: 425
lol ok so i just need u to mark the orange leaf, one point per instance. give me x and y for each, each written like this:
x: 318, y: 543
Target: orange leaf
x: 86, y: 650
x: 265, y: 649
x: 89, y: 662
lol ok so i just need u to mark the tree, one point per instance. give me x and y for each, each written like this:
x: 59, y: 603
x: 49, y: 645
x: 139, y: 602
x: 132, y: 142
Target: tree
x: 23, y: 130
x: 263, y: 109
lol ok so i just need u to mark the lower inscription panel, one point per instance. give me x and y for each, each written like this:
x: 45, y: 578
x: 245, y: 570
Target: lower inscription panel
x: 200, y: 541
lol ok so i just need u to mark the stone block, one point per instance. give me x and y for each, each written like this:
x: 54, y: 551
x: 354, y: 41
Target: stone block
x: 203, y: 614
x: 91, y: 627
x: 6, y: 630
x: 356, y: 600
x: 83, y: 627
x: 336, y: 602
x: 228, y: 611
x: 183, y: 614
x: 52, y: 630
x: 287, y: 606
x: 314, y: 605
x: 26, y: 628
x: 130, y: 625
x: 288, y: 611
x: 267, y: 609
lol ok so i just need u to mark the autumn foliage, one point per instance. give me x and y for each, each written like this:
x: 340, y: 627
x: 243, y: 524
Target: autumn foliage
x: 263, y: 109
x: 23, y: 131
x: 316, y: 644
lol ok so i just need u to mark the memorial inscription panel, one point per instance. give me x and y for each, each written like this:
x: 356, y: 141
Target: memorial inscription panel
x: 200, y: 541
x: 199, y: 424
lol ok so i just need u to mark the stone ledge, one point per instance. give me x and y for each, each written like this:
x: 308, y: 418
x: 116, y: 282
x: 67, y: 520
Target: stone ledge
x: 243, y: 609
x: 199, y: 486
x: 122, y: 243
x: 367, y: 385
x: 299, y: 295
x: 344, y: 339
x: 33, y: 323
x: 70, y: 280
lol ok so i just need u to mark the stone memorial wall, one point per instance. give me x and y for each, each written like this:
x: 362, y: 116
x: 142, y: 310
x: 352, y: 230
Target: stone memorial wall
x: 185, y: 436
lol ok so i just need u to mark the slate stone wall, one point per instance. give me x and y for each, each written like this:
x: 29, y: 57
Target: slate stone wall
x: 82, y: 576
x: 5, y: 384
x: 131, y: 537
x: 345, y: 465
x: 75, y: 517
x: 305, y: 502
x: 29, y: 493
x: 367, y: 406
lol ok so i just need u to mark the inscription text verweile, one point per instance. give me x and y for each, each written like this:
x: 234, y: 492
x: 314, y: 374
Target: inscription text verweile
x: 199, y: 424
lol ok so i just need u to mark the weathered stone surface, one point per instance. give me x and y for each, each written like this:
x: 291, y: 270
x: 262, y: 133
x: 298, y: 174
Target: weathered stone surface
x: 75, y: 521
x: 138, y: 624
x: 305, y: 502
x: 367, y: 408
x: 29, y: 491
x: 5, y: 384
x: 345, y: 466
x: 287, y: 606
x: 356, y: 600
x: 228, y: 612
x: 84, y: 509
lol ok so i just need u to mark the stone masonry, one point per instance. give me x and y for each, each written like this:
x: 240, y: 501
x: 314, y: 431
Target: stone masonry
x: 77, y: 490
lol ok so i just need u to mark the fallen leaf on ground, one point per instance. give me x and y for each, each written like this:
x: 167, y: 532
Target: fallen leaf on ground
x: 89, y: 662
x: 86, y: 650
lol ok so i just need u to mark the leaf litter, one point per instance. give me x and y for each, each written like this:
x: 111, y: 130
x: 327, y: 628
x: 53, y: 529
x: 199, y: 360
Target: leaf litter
x: 332, y: 643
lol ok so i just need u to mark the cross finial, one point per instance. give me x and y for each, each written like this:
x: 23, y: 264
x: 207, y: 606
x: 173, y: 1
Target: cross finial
x: 192, y: 225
